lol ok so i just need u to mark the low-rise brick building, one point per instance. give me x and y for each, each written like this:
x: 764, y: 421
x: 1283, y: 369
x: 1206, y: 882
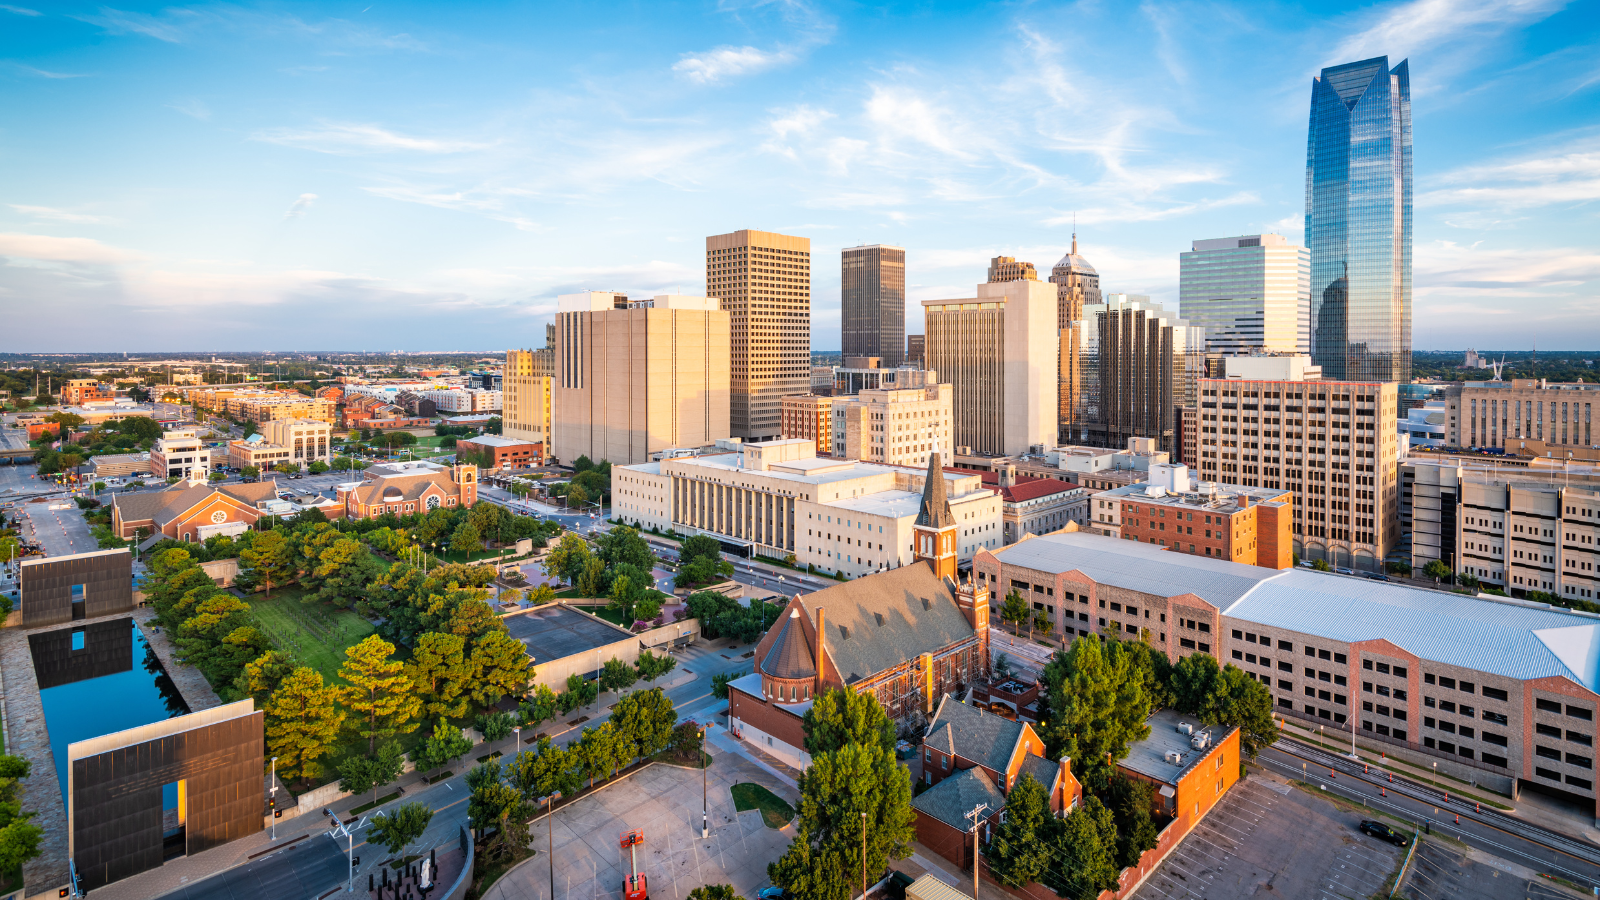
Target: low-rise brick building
x: 503, y: 452
x: 191, y: 511
x: 1223, y: 521
x: 408, y: 487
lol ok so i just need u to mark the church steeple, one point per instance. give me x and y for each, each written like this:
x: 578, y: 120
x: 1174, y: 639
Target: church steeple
x: 934, y: 531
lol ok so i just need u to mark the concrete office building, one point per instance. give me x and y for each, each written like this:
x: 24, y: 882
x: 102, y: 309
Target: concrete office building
x: 636, y: 377
x: 1252, y: 294
x: 1077, y: 283
x: 1008, y: 268
x: 1333, y: 443
x: 306, y: 440
x: 526, y: 397
x: 764, y: 281
x: 867, y: 373
x: 1524, y: 417
x: 872, y: 295
x: 779, y: 498
x: 1224, y: 521
x: 1526, y: 530
x: 897, y: 427
x: 1410, y: 665
x: 180, y: 454
x: 1138, y: 365
x: 809, y: 417
x: 1000, y: 352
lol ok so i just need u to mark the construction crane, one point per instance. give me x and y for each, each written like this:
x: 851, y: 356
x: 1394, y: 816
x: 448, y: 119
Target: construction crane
x: 634, y: 885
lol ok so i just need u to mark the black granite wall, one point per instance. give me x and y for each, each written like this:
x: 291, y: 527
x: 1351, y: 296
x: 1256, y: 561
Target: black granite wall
x: 47, y: 587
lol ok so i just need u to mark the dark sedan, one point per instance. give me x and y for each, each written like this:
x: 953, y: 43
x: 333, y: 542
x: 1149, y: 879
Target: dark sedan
x: 1384, y: 832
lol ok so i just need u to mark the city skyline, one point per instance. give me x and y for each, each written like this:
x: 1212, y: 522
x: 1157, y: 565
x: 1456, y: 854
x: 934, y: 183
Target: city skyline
x: 245, y: 177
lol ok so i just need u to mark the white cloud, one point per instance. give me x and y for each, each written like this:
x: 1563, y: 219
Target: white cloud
x: 298, y: 208
x: 116, y: 21
x: 44, y: 248
x: 60, y: 215
x: 1420, y: 24
x: 729, y: 62
x: 1570, y: 175
x: 352, y: 138
x: 20, y: 10
x: 193, y: 108
x: 41, y: 73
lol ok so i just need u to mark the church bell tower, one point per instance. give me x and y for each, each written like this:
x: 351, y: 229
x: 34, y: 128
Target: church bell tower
x: 934, y: 532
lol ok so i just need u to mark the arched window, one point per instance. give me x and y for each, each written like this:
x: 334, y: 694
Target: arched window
x: 433, y: 502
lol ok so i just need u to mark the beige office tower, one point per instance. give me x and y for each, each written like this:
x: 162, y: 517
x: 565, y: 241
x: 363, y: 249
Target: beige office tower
x: 1076, y: 283
x: 895, y: 426
x: 764, y: 282
x: 525, y: 396
x: 999, y: 351
x: 1007, y: 268
x: 637, y: 377
x: 1331, y: 442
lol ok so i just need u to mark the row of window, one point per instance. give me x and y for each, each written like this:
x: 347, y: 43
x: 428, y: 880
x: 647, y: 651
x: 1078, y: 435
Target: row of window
x: 1571, y: 759
x: 1576, y: 712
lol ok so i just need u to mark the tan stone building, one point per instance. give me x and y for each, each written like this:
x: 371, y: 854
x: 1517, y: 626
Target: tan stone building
x: 764, y: 280
x: 274, y: 408
x: 307, y: 440
x: 637, y: 377
x: 526, y: 397
x: 898, y: 427
x: 1007, y: 268
x: 1523, y: 417
x: 809, y: 417
x: 1000, y: 352
x: 1333, y: 443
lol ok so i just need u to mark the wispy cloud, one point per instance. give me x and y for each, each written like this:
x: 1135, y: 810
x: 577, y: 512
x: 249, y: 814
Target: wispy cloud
x: 729, y: 62
x: 195, y: 109
x: 116, y: 21
x: 353, y: 138
x: 298, y: 208
x: 1570, y: 174
x: 1413, y: 27
x: 60, y: 215
x: 45, y: 248
x: 807, y: 27
x: 41, y: 73
x: 20, y: 10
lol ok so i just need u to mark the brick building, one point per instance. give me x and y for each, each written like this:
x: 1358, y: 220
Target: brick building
x: 408, y: 487
x: 809, y: 417
x: 79, y: 391
x: 504, y: 452
x: 1224, y: 521
x: 187, y: 511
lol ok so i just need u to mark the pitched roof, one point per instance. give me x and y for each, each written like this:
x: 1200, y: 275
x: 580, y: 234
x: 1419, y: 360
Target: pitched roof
x: 790, y: 656
x: 970, y: 733
x: 950, y: 800
x: 165, y: 505
x: 1043, y: 770
x: 935, y: 509
x: 1034, y: 488
x: 399, y: 488
x: 887, y: 618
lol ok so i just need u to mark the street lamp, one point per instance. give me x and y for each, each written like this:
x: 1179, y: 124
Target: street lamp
x: 550, y: 831
x: 517, y: 730
x: 705, y: 803
x: 274, y: 801
x: 339, y: 828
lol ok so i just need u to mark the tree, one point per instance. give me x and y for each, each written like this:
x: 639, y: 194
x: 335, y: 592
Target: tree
x: 250, y: 471
x: 302, y: 723
x: 602, y: 751
x: 700, y: 562
x: 494, y: 726
x: 1321, y: 565
x: 344, y: 571
x: 1095, y: 706
x: 1020, y: 851
x: 651, y: 666
x: 624, y: 545
x: 359, y: 774
x: 466, y: 538
x: 578, y: 693
x: 567, y: 559
x: 644, y: 719
x: 539, y: 706
x: 544, y: 770
x: 616, y: 675
x: 1436, y: 569
x: 262, y: 676
x: 1085, y: 848
x: 396, y: 830
x: 500, y: 666
x: 1225, y: 697
x: 440, y: 674
x: 1014, y: 610
x: 446, y: 745
x: 577, y: 497
x: 714, y: 892
x: 824, y: 860
x: 719, y: 683
x: 379, y: 693
x: 1131, y: 802
x: 268, y: 560
x: 840, y: 716
x: 318, y: 467
x: 582, y: 464
x: 248, y: 429
x: 19, y: 837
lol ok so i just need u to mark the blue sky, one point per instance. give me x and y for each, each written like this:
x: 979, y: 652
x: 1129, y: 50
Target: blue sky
x: 379, y: 175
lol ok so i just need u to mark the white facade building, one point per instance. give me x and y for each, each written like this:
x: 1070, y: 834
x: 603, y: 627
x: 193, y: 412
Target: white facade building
x: 464, y: 400
x: 894, y: 426
x: 1251, y: 293
x: 778, y: 498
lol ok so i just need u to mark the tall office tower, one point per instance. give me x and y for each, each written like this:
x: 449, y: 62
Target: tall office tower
x: 1331, y: 442
x: 1007, y: 268
x: 1358, y: 220
x: 998, y: 350
x: 1140, y: 363
x: 916, y: 348
x: 764, y: 281
x: 872, y: 296
x: 636, y: 377
x: 1076, y: 283
x: 1252, y: 294
x: 525, y: 396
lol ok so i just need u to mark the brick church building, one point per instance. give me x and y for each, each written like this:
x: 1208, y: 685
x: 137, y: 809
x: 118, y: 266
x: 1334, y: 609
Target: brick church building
x: 909, y: 635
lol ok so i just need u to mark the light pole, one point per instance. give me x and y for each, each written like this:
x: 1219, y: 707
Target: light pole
x: 864, y: 857
x: 339, y: 828
x: 517, y: 730
x: 550, y: 831
x: 705, y: 803
x: 274, y: 802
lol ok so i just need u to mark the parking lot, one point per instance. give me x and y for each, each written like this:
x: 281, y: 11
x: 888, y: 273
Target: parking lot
x: 1271, y: 839
x: 1441, y: 872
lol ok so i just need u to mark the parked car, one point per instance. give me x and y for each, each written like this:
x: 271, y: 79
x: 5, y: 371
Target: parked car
x: 772, y: 893
x: 1384, y: 832
x: 1378, y: 576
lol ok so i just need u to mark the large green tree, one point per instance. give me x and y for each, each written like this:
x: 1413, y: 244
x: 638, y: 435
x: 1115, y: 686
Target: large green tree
x: 268, y: 561
x: 824, y: 860
x: 303, y: 719
x: 1225, y: 697
x: 624, y: 545
x: 567, y: 559
x: 1020, y: 851
x: 645, y: 720
x: 1095, y: 707
x: 839, y: 716
x: 1085, y: 848
x: 500, y: 666
x: 378, y: 694
x: 440, y: 674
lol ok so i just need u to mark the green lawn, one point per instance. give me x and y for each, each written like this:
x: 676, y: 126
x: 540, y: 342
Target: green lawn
x: 314, y: 633
x: 774, y: 811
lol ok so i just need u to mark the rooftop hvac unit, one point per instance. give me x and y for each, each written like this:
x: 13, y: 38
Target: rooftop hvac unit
x: 1175, y: 757
x: 1199, y: 741
x: 1185, y: 728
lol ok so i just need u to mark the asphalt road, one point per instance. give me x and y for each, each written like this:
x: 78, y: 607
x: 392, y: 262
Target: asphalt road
x: 306, y: 868
x: 1571, y: 858
x: 59, y: 531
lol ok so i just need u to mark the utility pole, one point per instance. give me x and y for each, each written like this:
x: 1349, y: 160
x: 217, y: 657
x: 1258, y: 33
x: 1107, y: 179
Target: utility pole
x: 977, y: 819
x: 864, y: 856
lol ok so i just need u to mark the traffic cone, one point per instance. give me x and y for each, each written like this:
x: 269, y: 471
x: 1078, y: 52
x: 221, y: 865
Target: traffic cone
x: 1458, y: 818
x: 1383, y: 792
x: 1391, y: 778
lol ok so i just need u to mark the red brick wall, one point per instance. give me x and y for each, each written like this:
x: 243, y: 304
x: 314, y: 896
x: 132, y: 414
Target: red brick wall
x: 758, y: 714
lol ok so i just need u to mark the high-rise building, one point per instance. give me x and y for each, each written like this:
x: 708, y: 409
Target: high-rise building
x: 1331, y: 442
x: 999, y: 350
x: 916, y: 345
x: 1007, y: 268
x: 1252, y: 294
x: 637, y: 377
x: 525, y: 396
x: 764, y: 281
x: 1076, y: 283
x: 809, y: 417
x: 897, y: 427
x: 1358, y: 220
x: 1139, y: 364
x: 872, y: 300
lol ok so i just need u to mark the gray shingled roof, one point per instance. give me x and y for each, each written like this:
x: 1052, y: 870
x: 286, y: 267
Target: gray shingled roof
x: 1043, y: 770
x: 950, y: 800
x: 791, y: 655
x: 1135, y: 566
x: 165, y: 505
x: 935, y: 509
x: 890, y: 618
x: 971, y: 733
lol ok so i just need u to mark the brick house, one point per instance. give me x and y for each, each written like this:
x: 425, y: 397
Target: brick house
x: 408, y: 487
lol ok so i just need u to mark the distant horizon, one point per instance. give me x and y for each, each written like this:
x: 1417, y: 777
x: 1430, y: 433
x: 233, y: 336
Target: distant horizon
x: 6, y: 356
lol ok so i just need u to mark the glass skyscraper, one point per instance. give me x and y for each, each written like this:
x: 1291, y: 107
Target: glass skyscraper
x: 1252, y: 294
x: 1358, y: 221
x: 872, y: 301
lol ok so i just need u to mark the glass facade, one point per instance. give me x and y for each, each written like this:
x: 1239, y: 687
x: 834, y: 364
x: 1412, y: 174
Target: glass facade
x: 1358, y: 221
x: 1252, y: 294
x: 872, y: 302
